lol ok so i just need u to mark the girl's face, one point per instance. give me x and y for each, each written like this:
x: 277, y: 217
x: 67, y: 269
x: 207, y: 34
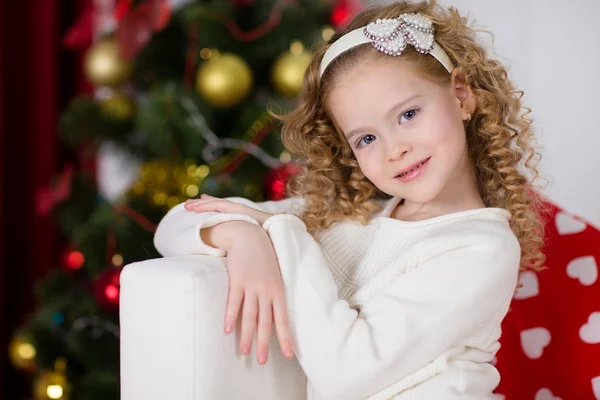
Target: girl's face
x: 406, y: 132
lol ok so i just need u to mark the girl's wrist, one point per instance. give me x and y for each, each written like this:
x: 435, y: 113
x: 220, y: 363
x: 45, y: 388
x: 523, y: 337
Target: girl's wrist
x: 225, y: 234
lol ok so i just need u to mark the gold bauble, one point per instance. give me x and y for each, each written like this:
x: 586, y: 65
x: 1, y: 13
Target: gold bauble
x: 288, y: 72
x: 224, y: 81
x: 104, y: 66
x: 22, y: 354
x: 118, y: 106
x: 51, y: 385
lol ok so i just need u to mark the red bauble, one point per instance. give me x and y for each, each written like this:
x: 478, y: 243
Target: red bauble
x: 137, y: 24
x: 277, y: 179
x: 343, y: 11
x: 122, y: 9
x: 72, y: 259
x: 107, y: 288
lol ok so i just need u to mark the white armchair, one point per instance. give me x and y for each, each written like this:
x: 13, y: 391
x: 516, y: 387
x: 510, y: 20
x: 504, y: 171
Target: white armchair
x: 172, y: 341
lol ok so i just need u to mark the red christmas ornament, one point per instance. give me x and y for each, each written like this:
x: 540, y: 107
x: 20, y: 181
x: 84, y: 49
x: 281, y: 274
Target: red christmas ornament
x: 277, y: 179
x: 343, y: 11
x: 122, y: 9
x: 138, y: 23
x: 72, y: 259
x: 107, y: 288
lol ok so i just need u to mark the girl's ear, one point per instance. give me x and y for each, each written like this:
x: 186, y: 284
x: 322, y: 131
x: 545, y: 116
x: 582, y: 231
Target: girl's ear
x: 463, y: 93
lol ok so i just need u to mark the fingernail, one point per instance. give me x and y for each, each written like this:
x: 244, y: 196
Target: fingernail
x: 228, y: 328
x: 261, y: 360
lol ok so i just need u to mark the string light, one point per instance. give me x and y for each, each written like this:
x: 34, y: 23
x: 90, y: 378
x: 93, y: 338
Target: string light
x: 296, y: 47
x: 26, y: 351
x: 75, y: 259
x: 117, y: 260
x: 327, y: 32
x: 285, y: 157
x: 192, y: 190
x: 55, y: 391
x: 205, y: 53
x: 112, y: 292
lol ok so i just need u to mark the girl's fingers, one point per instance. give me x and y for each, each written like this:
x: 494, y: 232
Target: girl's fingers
x: 248, y: 322
x: 210, y: 205
x: 232, y: 310
x: 263, y: 333
x: 282, y: 327
x: 215, y: 204
x: 189, y: 203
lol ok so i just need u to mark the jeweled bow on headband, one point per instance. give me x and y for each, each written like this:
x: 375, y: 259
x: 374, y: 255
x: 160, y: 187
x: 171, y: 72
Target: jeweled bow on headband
x: 391, y: 36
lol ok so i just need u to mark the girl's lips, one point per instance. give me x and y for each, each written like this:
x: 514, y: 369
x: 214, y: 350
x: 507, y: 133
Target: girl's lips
x: 417, y: 170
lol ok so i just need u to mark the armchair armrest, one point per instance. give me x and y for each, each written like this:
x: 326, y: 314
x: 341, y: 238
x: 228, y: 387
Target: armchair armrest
x: 172, y: 341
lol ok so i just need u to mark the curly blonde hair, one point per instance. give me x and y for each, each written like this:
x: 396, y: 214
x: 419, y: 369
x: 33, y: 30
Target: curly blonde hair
x: 499, y: 135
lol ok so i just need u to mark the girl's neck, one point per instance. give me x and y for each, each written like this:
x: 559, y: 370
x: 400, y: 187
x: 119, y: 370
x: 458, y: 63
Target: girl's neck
x: 460, y: 194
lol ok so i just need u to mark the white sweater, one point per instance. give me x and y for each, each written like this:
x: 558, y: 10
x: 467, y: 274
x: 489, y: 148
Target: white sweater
x: 393, y: 309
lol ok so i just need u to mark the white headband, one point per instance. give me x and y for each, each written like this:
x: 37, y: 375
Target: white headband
x: 390, y: 36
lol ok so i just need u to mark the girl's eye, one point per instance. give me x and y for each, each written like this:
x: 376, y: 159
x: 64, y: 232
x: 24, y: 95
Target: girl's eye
x: 410, y: 114
x: 367, y: 139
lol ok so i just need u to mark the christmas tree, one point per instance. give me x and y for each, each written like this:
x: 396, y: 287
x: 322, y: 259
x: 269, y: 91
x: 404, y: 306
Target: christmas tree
x: 180, y: 108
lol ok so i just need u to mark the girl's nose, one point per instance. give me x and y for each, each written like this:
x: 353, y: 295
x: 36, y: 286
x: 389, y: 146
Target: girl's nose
x: 397, y: 150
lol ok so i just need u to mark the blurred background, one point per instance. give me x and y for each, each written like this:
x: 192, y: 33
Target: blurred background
x: 114, y: 111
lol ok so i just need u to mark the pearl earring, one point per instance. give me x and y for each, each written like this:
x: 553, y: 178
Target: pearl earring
x: 468, y: 116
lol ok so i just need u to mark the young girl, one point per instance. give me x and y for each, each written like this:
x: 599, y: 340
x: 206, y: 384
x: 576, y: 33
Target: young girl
x: 401, y: 243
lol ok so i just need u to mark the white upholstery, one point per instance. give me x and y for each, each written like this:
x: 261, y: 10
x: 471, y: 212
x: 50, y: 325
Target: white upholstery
x: 172, y: 340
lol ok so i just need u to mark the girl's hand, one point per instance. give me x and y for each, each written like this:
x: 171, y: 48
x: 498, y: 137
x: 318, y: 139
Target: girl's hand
x: 258, y: 288
x: 210, y: 203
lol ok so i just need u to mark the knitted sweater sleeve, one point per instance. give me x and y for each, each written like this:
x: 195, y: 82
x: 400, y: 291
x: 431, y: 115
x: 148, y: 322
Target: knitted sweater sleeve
x: 348, y: 353
x: 178, y: 233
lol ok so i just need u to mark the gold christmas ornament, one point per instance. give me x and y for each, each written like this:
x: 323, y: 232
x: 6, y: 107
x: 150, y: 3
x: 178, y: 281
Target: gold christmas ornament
x: 224, y: 80
x: 104, y: 66
x: 288, y: 70
x: 118, y: 106
x: 22, y: 354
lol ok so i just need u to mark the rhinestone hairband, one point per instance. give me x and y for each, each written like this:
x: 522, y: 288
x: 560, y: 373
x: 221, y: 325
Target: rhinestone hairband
x: 391, y: 36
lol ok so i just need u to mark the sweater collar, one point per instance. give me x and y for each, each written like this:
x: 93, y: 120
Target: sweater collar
x: 389, y: 207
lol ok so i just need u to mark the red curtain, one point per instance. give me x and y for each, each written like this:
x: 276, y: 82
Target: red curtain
x: 36, y: 79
